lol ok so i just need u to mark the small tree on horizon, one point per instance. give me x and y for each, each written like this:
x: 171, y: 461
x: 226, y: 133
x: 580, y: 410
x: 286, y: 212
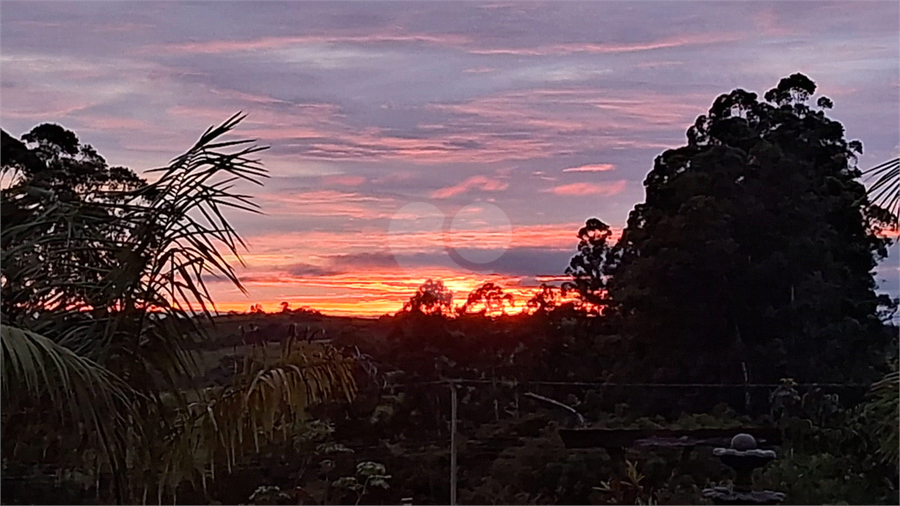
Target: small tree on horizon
x: 432, y: 298
x: 491, y: 298
x: 587, y: 267
x: 545, y: 299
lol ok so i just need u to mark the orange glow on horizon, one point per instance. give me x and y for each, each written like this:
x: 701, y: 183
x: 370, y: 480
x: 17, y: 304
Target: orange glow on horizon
x: 346, y: 281
x: 370, y: 293
x: 373, y: 306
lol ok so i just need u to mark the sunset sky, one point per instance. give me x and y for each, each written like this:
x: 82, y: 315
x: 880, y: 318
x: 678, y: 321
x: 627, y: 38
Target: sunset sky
x: 402, y: 131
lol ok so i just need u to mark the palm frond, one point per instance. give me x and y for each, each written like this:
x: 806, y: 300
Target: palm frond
x: 885, y: 190
x: 268, y: 400
x: 121, y: 278
x: 88, y: 406
x: 883, y: 412
x: 35, y: 366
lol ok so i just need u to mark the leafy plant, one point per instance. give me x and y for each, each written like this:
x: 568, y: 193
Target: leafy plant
x: 882, y: 414
x: 825, y: 478
x: 627, y: 489
x: 266, y: 403
x: 368, y: 474
x: 270, y: 495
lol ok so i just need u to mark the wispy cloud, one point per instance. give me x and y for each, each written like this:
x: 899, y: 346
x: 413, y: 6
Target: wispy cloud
x: 614, y: 47
x: 581, y: 189
x: 481, y: 183
x: 286, y: 42
x: 597, y: 167
x: 345, y: 180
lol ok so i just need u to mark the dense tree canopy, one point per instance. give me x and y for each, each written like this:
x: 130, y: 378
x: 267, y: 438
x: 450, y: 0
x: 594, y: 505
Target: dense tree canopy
x: 587, y: 267
x: 49, y: 169
x: 431, y: 298
x: 545, y: 299
x: 53, y: 158
x: 756, y: 243
x: 490, y: 297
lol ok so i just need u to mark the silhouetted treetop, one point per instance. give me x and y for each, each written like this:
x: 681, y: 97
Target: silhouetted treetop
x: 490, y: 297
x: 53, y: 157
x: 430, y: 298
x: 755, y: 238
x: 587, y: 266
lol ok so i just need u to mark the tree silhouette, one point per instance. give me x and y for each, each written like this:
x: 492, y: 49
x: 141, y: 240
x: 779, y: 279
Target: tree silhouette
x: 51, y: 168
x: 430, y: 298
x: 491, y: 298
x: 587, y: 267
x: 52, y: 158
x: 545, y: 299
x: 755, y: 236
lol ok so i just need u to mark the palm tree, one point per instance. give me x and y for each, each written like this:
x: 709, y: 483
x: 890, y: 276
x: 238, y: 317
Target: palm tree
x: 133, y: 307
x: 109, y: 295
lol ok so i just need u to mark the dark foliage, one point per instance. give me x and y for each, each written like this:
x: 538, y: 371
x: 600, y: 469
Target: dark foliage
x: 756, y: 245
x: 51, y: 168
x: 431, y: 298
x: 587, y: 267
x: 490, y: 297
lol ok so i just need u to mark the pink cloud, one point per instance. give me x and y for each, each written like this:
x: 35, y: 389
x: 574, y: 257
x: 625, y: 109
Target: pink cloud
x: 580, y: 189
x: 343, y: 180
x: 270, y: 43
x: 607, y: 48
x: 597, y: 167
x: 325, y: 203
x: 478, y: 70
x: 476, y: 182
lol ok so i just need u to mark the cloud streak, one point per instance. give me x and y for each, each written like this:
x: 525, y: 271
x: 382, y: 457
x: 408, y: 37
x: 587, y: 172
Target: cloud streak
x: 481, y: 183
x: 582, y: 189
x: 597, y: 167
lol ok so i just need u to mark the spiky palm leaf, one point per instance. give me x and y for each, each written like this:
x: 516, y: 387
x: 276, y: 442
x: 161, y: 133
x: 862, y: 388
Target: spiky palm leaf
x: 267, y: 402
x: 35, y: 366
x: 80, y: 403
x: 885, y: 191
x: 117, y: 278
